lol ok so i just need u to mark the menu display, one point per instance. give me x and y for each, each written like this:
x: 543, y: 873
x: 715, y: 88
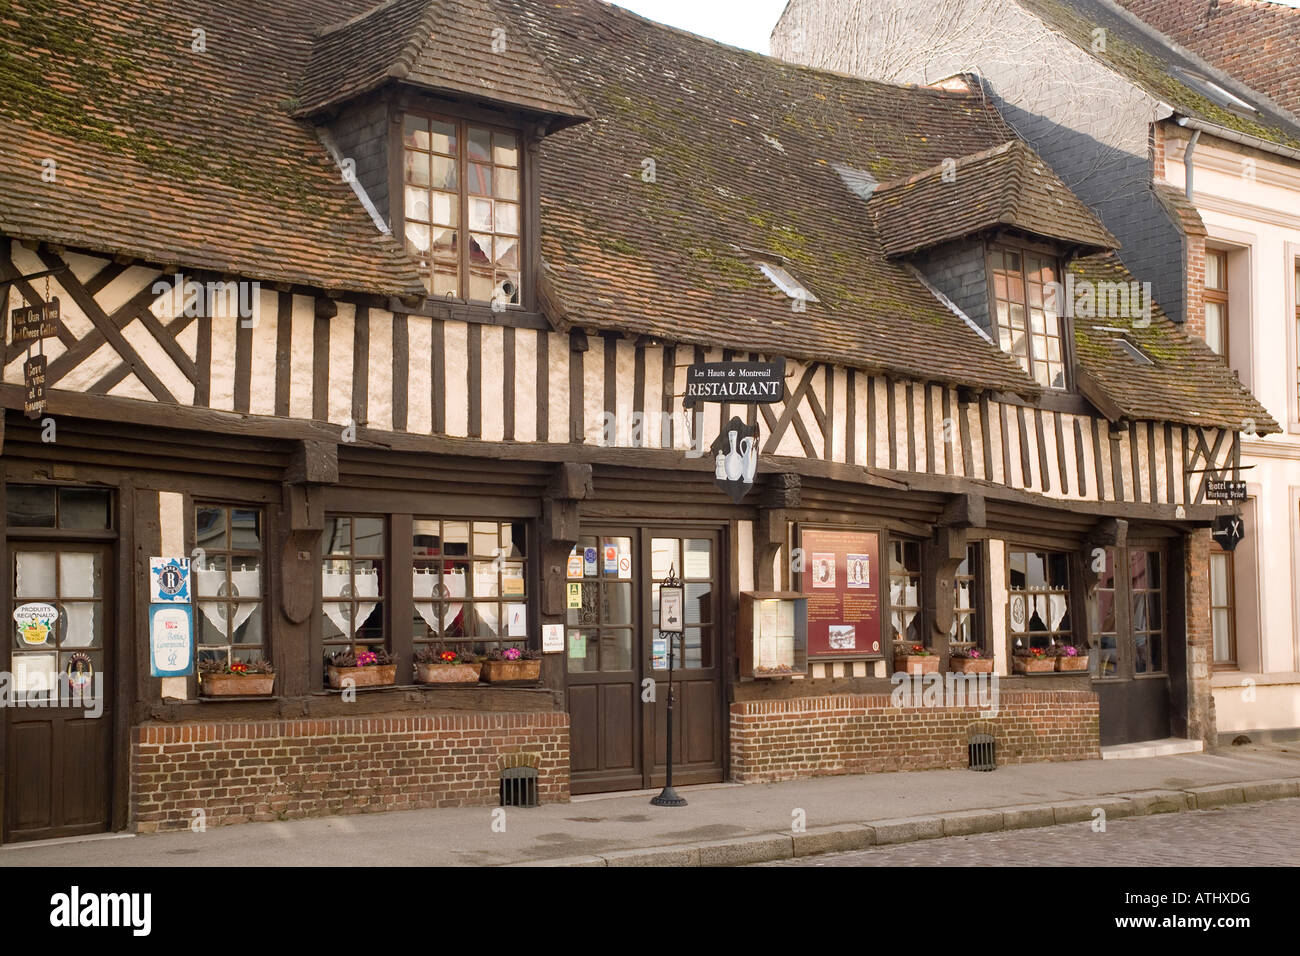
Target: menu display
x: 842, y: 580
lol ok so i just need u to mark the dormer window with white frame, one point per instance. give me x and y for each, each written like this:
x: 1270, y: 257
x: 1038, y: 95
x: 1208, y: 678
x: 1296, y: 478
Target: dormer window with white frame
x: 462, y: 204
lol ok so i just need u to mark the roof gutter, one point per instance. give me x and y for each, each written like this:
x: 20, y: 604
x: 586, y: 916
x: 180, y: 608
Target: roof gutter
x: 1245, y: 139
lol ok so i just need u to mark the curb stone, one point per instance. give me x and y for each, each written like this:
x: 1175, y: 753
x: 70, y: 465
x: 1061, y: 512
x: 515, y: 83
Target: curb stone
x: 766, y: 847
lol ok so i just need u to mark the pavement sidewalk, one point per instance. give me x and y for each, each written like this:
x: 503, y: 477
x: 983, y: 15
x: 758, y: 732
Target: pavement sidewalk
x: 723, y: 824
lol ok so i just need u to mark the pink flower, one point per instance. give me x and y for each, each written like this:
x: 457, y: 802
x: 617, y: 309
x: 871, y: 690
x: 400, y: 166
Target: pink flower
x: 511, y: 654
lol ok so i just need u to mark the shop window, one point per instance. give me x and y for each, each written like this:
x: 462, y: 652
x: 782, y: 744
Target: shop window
x: 1040, y: 599
x: 905, y: 591
x: 1104, y: 624
x: 228, y: 583
x: 1216, y: 301
x: 1223, y: 613
x: 49, y: 506
x: 966, y: 601
x: 1146, y: 576
x: 353, y: 551
x: 1028, y: 324
x: 461, y: 189
x: 468, y: 583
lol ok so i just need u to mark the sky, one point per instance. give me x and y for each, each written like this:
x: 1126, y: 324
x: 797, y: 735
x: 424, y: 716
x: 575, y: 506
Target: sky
x: 744, y: 23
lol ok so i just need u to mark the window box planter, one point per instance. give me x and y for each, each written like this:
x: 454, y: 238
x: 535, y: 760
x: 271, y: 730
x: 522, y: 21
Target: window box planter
x: 1033, y: 665
x: 373, y: 675
x: 236, y: 685
x: 917, y: 664
x: 447, y: 673
x: 1076, y: 663
x: 970, y: 665
x: 502, y: 672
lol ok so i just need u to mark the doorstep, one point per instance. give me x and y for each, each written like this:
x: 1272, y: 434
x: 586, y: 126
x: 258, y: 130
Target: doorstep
x: 1152, y: 748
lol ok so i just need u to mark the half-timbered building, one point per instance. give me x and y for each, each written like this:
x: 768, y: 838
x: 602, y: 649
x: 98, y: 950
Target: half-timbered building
x: 383, y: 315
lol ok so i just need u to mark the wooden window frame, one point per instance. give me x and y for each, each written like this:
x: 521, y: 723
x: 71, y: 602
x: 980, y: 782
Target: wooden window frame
x: 1071, y: 604
x: 1230, y: 662
x: 1066, y: 327
x: 230, y: 553
x: 479, y: 644
x: 1219, y: 297
x: 529, y: 249
x: 1163, y: 592
x: 889, y: 541
x: 384, y: 597
x: 976, y: 574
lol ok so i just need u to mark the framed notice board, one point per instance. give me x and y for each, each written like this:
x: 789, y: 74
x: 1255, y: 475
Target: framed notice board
x: 842, y: 577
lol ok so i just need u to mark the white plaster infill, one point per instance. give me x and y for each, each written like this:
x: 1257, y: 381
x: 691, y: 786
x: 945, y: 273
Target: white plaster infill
x: 1152, y: 748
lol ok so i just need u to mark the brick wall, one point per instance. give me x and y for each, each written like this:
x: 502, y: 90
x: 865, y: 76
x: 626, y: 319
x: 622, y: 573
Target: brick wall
x: 287, y: 769
x: 859, y: 733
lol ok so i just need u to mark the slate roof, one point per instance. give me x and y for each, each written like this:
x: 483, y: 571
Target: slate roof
x: 1187, y: 383
x: 1256, y: 41
x: 1151, y: 61
x: 177, y: 156
x: 1008, y: 185
x: 447, y: 46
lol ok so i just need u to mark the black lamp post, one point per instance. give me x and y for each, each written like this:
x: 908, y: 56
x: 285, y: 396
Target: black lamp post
x: 670, y: 624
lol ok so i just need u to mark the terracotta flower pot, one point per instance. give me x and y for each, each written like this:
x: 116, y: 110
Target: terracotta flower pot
x: 971, y: 665
x: 917, y: 664
x: 1033, y: 665
x: 236, y: 685
x: 376, y: 675
x: 500, y: 672
x: 447, y: 673
x: 1076, y: 663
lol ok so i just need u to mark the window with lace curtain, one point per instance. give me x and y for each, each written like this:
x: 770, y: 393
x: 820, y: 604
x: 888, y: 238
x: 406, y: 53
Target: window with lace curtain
x: 227, y: 569
x: 353, y: 550
x: 905, y: 591
x: 1039, y: 604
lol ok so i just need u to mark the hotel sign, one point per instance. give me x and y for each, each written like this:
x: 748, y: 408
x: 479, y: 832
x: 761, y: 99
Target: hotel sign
x: 1225, y: 490
x: 751, y: 383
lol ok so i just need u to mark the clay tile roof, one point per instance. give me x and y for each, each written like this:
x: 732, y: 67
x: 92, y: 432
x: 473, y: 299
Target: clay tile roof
x: 176, y: 156
x: 1182, y: 209
x: 449, y: 46
x: 1256, y: 41
x: 1167, y: 71
x: 1007, y: 185
x: 1186, y: 382
x: 705, y: 160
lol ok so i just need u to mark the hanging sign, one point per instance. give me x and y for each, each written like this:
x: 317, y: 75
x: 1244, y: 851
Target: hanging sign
x: 35, y: 623
x: 34, y: 322
x: 841, y: 576
x: 735, y: 458
x: 749, y: 383
x: 670, y: 609
x: 1225, y: 490
x: 169, y: 580
x: 171, y: 640
x: 34, y: 382
x: 1228, y: 531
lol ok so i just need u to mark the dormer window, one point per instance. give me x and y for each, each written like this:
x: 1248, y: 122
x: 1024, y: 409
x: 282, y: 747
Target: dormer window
x: 462, y: 200
x: 1028, y: 324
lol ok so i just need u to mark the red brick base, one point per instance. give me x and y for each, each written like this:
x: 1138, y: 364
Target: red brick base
x: 289, y: 769
x: 822, y: 736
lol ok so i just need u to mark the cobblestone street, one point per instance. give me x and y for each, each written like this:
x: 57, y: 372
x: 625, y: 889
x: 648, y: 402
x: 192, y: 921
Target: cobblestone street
x: 1264, y: 834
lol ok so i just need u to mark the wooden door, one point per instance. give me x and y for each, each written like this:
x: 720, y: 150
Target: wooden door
x: 59, y: 725
x: 1131, y: 673
x: 616, y: 682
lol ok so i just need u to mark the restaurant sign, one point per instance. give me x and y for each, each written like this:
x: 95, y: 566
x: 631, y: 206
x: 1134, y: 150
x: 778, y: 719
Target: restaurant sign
x: 751, y: 383
x: 841, y: 576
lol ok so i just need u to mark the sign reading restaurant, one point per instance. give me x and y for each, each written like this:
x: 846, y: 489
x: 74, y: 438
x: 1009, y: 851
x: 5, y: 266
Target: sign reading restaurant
x: 740, y: 382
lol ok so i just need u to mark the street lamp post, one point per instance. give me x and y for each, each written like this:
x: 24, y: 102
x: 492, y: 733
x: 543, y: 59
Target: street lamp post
x: 670, y: 625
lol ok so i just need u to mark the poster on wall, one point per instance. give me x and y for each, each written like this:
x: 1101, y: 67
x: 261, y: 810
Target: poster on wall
x: 171, y: 640
x: 842, y: 580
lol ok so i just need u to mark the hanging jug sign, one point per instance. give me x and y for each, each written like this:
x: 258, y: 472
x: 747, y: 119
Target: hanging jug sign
x: 735, y: 458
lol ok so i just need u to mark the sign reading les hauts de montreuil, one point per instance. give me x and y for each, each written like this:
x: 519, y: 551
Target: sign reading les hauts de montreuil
x: 750, y: 383
x: 1225, y: 490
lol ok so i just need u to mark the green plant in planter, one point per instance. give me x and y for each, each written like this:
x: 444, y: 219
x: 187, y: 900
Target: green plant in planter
x: 257, y: 668
x: 354, y: 658
x: 512, y: 654
x: 443, y: 656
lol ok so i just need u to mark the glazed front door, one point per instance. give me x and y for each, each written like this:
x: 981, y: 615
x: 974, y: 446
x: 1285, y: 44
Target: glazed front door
x: 616, y: 660
x: 58, y: 724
